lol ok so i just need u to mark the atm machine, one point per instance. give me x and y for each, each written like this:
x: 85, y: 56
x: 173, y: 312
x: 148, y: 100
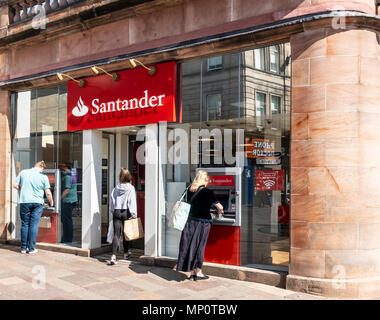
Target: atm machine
x: 49, y: 230
x: 223, y: 245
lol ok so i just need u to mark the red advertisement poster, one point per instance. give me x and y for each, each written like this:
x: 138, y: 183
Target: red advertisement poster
x: 269, y: 180
x: 136, y: 98
x: 221, y: 180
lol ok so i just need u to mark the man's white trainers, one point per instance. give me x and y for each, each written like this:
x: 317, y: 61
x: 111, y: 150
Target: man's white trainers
x: 33, y: 252
x: 113, y: 261
x: 23, y: 251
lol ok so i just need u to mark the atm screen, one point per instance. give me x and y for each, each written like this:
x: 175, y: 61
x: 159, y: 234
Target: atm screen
x: 51, y: 177
x: 223, y: 196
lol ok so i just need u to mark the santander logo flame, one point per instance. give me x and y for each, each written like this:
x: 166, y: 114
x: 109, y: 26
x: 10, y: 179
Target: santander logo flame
x: 80, y: 109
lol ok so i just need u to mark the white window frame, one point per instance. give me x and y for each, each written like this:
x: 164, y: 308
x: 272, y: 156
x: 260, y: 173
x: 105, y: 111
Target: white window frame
x: 262, y: 50
x: 265, y: 102
x: 212, y: 67
x: 277, y: 71
x: 217, y: 109
x: 279, y: 107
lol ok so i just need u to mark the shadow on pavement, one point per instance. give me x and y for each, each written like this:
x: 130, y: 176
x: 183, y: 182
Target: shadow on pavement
x: 162, y: 272
x: 10, y: 247
x: 105, y: 258
x: 134, y: 265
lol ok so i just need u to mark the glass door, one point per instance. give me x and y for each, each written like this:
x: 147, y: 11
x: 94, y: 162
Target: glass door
x: 108, y: 180
x: 138, y: 181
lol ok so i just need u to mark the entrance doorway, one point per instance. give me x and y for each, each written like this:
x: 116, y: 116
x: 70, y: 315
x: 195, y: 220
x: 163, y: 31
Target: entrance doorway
x: 108, y: 179
x: 138, y: 180
x: 119, y: 150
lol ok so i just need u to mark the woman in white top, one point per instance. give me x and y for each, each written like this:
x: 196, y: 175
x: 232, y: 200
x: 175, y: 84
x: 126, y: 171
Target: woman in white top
x: 123, y: 207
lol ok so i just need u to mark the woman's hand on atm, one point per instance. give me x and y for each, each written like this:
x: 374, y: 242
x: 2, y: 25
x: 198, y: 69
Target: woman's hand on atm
x: 220, y: 208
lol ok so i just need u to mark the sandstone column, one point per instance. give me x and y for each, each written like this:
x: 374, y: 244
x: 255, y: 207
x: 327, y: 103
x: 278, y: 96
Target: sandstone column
x: 335, y: 163
x: 91, y: 189
x: 5, y: 163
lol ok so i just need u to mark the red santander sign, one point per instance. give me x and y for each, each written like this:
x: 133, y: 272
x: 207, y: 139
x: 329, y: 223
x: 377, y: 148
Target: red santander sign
x: 221, y: 181
x: 137, y: 98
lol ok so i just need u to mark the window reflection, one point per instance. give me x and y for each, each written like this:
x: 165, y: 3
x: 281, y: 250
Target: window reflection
x: 214, y: 106
x: 275, y: 104
x: 214, y: 63
x: 253, y: 92
x: 274, y: 55
x: 259, y: 55
x: 261, y: 101
x: 40, y: 134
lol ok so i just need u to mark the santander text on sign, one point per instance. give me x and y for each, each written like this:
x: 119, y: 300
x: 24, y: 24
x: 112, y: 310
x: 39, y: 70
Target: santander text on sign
x: 137, y: 98
x: 219, y: 180
x: 121, y: 105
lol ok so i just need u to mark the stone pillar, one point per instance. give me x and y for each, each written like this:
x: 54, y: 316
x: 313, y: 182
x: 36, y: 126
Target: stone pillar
x: 5, y: 163
x: 5, y: 15
x: 151, y: 190
x: 335, y: 164
x: 91, y: 189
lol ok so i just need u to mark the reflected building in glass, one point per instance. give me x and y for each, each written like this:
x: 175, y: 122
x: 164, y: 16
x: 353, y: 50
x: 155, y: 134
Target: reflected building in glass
x: 250, y: 91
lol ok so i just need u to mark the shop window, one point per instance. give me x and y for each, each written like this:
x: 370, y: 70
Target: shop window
x: 214, y: 63
x: 274, y: 59
x: 214, y: 106
x: 211, y: 137
x: 275, y: 104
x: 40, y: 122
x: 260, y: 104
x: 259, y: 58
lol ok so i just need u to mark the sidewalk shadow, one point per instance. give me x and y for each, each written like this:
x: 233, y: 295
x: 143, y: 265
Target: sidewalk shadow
x: 134, y: 265
x: 10, y: 247
x: 162, y: 272
x: 104, y: 258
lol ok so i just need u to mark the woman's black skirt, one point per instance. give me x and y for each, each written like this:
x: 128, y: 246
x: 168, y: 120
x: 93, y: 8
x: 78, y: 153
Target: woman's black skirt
x: 192, y: 245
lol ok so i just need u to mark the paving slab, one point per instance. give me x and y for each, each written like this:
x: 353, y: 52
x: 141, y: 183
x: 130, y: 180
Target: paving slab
x: 70, y: 277
x: 9, y: 281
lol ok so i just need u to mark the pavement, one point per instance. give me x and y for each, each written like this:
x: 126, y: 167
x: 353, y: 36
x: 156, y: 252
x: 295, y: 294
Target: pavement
x: 49, y: 275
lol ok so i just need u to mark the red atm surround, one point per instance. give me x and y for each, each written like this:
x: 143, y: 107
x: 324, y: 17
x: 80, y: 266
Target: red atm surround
x: 49, y: 235
x: 223, y: 245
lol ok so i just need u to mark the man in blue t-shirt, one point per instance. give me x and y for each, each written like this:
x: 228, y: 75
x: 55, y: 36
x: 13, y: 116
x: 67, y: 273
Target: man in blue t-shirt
x: 32, y: 184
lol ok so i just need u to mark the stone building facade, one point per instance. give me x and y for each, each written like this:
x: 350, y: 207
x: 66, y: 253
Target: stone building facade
x: 334, y: 105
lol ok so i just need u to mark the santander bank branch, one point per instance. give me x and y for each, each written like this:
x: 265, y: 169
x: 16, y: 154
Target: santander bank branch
x: 227, y: 114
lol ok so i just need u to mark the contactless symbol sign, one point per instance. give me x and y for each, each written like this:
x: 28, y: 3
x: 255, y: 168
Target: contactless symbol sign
x: 136, y: 98
x: 269, y: 180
